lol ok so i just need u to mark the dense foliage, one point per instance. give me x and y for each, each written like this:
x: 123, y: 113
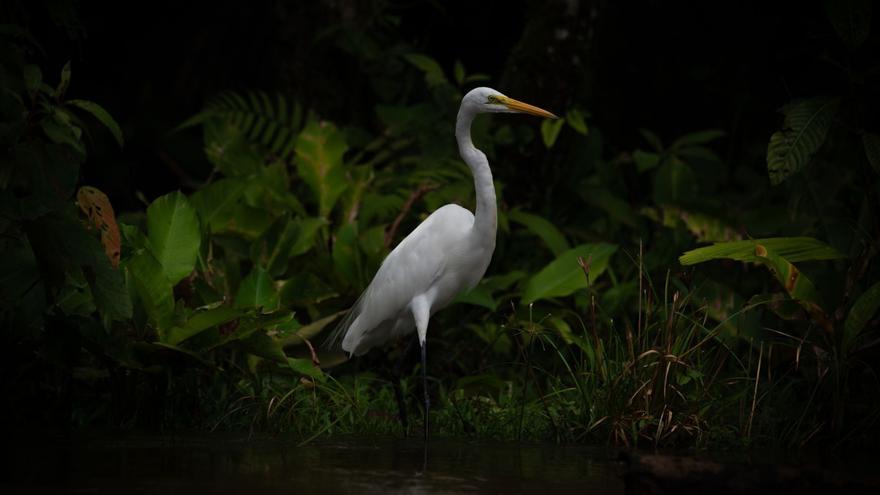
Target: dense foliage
x: 657, y: 293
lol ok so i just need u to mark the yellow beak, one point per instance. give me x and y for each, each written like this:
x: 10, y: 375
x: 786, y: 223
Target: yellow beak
x: 519, y: 106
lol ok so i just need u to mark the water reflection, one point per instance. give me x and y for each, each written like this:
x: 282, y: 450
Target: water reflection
x: 220, y: 464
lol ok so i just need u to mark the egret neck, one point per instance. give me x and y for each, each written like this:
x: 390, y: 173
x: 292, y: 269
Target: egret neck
x: 486, y: 215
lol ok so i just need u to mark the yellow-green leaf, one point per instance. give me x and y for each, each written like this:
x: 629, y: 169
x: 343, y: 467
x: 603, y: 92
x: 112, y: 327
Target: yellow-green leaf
x: 319, y: 151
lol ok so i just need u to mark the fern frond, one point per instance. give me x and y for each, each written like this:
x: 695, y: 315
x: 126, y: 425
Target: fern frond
x: 266, y: 120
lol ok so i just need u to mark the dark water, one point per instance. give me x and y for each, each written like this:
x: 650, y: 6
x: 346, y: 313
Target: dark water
x: 223, y: 464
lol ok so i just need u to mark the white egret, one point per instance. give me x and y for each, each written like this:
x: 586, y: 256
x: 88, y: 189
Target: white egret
x: 446, y: 254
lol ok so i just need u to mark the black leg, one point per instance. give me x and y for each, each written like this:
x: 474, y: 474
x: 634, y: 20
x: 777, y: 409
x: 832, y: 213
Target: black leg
x: 396, y: 378
x: 425, y: 385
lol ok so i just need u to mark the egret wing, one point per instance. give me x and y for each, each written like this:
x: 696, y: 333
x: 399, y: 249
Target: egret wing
x: 409, y: 270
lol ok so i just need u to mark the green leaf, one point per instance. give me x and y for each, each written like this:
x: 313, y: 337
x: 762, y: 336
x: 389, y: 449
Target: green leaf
x: 480, y: 295
x: 871, y: 143
x: 345, y: 254
x: 264, y: 346
x: 798, y: 286
x: 319, y: 151
x: 305, y: 288
x: 257, y: 290
x: 63, y: 246
x: 433, y: 72
x: 305, y: 367
x: 201, y: 321
x: 103, y: 117
x: 674, y: 183
x: 652, y: 139
x: 216, y: 204
x: 705, y: 228
x: 153, y: 289
x: 61, y: 89
x: 227, y: 148
x: 195, y: 355
x: 173, y: 232
x: 541, y: 227
x: 793, y: 249
x: 575, y: 119
x: 851, y: 19
x: 308, y: 230
x: 699, y: 137
x: 616, y: 207
x: 550, y: 131
x: 803, y: 131
x: 309, y: 331
x: 861, y: 312
x: 272, y: 249
x: 33, y: 76
x: 645, y: 160
x: 458, y: 70
x: 564, y: 275
x: 59, y: 129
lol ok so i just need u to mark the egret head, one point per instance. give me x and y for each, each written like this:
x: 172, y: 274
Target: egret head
x: 488, y: 100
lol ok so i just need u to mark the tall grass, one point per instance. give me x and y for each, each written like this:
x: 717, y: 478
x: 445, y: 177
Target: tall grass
x: 666, y: 375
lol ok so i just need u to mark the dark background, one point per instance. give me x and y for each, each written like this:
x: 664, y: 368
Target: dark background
x: 669, y: 66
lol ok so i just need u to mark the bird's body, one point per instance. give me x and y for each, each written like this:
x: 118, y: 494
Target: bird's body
x: 440, y: 258
x: 445, y: 255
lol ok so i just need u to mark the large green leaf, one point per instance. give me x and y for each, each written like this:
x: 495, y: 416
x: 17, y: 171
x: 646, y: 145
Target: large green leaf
x: 305, y: 367
x: 793, y: 249
x: 264, y: 346
x: 305, y: 288
x: 796, y: 284
x: 173, y: 232
x: 345, y: 252
x: 216, y: 203
x: 241, y: 329
x: 308, y: 230
x: 272, y: 249
x: 102, y: 115
x: 541, y: 227
x: 308, y: 331
x: 319, y: 151
x: 862, y: 311
x: 201, y: 321
x: 803, y: 131
x: 564, y: 275
x: 257, y: 290
x: 153, y: 289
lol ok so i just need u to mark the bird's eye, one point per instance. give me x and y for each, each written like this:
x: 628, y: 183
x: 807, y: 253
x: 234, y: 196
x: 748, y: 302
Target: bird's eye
x: 493, y: 100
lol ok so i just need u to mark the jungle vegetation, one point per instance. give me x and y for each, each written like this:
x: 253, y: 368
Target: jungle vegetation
x: 686, y: 258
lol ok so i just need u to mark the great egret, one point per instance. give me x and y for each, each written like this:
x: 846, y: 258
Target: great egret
x: 446, y: 254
